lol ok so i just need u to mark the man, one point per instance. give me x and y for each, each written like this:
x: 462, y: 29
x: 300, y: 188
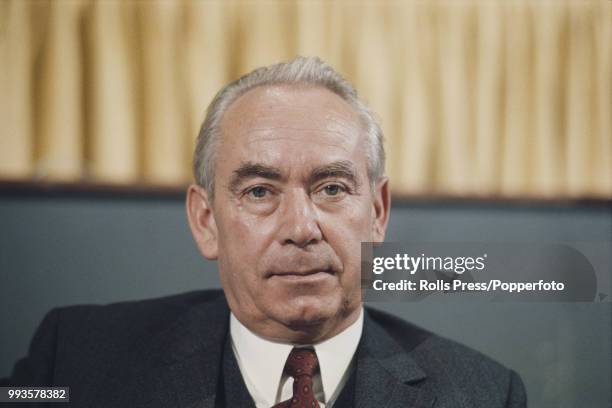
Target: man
x: 289, y: 169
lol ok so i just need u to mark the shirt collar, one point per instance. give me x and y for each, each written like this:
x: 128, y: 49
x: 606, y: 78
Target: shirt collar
x: 266, y: 359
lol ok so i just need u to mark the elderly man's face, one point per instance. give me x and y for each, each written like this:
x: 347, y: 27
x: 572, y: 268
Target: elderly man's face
x: 292, y: 203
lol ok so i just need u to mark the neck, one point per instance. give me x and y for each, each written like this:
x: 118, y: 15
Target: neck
x: 301, y: 332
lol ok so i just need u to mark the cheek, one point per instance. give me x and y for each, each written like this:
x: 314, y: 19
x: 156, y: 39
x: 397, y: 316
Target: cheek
x: 243, y: 242
x: 345, y: 233
x: 354, y: 220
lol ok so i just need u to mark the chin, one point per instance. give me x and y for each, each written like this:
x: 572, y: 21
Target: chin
x: 308, y: 311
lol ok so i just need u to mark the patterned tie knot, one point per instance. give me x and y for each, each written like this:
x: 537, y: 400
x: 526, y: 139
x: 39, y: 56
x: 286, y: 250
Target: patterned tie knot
x: 301, y: 362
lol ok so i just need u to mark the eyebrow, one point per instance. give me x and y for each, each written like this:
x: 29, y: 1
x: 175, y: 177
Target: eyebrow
x: 250, y: 170
x: 338, y: 169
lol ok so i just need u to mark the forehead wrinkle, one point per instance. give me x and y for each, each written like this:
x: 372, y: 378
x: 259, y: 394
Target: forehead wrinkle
x: 271, y: 138
x: 297, y: 129
x: 266, y: 135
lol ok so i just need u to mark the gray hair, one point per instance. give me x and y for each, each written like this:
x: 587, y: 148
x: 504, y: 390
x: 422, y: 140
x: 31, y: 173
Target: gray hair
x: 301, y: 70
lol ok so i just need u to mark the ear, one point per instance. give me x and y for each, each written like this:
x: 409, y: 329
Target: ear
x: 202, y: 221
x: 380, y: 209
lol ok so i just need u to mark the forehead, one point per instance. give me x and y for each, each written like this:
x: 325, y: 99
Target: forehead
x: 285, y: 125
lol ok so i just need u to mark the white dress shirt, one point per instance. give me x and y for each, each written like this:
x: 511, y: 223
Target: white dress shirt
x: 263, y: 374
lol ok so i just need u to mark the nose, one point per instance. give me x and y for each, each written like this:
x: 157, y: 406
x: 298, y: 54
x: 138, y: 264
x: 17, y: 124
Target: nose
x: 299, y: 223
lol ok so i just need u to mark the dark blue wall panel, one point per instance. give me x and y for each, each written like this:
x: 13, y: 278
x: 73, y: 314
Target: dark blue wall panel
x: 61, y: 250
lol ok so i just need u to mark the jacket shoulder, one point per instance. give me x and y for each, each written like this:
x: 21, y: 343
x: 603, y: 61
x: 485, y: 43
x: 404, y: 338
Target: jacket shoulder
x: 73, y: 337
x: 132, y: 316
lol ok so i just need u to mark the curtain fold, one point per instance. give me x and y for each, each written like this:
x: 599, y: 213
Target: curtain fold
x: 476, y: 97
x: 418, y: 92
x: 489, y: 98
x: 58, y: 98
x: 113, y: 148
x: 16, y: 141
x: 548, y: 91
x: 163, y: 106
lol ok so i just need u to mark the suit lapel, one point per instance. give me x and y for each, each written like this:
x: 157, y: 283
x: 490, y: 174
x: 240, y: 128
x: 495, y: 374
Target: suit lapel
x: 180, y: 367
x: 386, y: 374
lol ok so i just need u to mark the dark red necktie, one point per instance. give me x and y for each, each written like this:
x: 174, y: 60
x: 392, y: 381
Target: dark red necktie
x: 301, y: 364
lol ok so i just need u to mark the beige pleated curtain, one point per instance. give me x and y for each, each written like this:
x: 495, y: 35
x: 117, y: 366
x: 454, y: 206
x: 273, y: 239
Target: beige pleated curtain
x: 475, y: 97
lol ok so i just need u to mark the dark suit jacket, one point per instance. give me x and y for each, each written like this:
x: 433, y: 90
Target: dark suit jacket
x: 167, y: 353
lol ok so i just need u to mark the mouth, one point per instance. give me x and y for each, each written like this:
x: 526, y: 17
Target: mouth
x: 303, y: 274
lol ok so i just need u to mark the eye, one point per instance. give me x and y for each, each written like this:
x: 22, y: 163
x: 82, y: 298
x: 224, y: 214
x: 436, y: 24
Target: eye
x: 258, y: 192
x: 332, y: 189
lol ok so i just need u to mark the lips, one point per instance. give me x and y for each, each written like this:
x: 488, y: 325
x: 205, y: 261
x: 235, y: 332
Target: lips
x: 302, y: 272
x: 302, y: 264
